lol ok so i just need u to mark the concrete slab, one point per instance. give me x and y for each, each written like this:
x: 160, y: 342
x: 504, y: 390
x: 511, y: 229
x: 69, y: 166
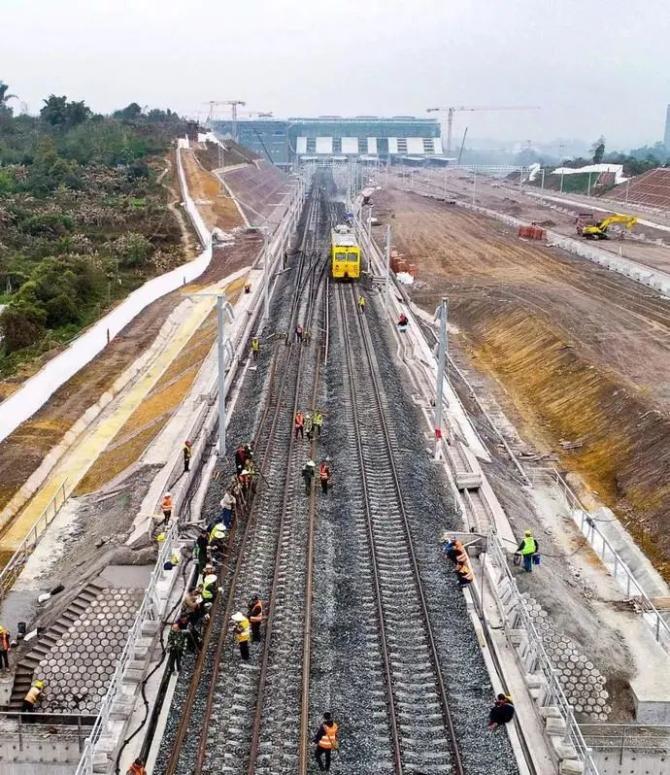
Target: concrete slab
x: 127, y: 576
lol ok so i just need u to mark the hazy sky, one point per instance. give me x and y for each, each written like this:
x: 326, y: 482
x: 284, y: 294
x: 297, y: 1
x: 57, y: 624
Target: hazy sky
x: 594, y: 67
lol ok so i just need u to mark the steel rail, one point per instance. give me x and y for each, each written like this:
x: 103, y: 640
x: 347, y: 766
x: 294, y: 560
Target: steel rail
x: 315, y: 279
x: 185, y: 719
x: 442, y: 690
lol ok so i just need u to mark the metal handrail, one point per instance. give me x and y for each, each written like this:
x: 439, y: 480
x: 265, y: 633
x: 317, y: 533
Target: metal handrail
x: 17, y: 561
x: 543, y: 662
x: 611, y: 558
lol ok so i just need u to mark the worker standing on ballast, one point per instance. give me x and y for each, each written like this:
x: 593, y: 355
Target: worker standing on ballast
x: 299, y: 424
x: 255, y: 616
x: 324, y: 475
x: 242, y: 632
x: 299, y: 333
x: 361, y: 304
x: 317, y: 421
x: 326, y: 742
x: 308, y: 471
x: 255, y: 347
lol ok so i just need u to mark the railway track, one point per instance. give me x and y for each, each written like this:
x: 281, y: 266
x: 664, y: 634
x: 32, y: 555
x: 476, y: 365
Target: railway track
x: 243, y: 709
x: 411, y: 706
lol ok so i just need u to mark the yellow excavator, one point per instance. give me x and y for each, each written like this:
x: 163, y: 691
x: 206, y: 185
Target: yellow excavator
x: 599, y: 230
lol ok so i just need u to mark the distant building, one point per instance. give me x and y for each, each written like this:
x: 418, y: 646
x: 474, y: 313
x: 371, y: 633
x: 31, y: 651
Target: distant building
x: 666, y: 136
x: 334, y: 137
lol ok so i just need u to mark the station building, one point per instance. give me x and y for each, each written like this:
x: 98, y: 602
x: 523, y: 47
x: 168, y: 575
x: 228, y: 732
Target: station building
x: 371, y: 138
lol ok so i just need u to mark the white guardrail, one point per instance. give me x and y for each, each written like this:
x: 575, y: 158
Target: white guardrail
x: 161, y: 580
x: 11, y: 571
x: 540, y: 661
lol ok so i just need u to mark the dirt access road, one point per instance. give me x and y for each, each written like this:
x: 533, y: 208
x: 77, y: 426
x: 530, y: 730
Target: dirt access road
x: 580, y: 354
x: 642, y: 245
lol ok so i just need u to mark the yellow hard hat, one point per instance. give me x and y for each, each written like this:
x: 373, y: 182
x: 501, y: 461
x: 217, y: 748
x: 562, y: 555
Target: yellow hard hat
x: 39, y: 684
x: 161, y: 537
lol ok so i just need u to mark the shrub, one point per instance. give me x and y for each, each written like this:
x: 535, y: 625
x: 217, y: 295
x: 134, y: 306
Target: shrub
x: 21, y: 325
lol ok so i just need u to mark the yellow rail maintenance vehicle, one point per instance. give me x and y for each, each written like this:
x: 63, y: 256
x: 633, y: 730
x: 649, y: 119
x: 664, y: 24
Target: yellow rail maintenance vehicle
x: 345, y: 254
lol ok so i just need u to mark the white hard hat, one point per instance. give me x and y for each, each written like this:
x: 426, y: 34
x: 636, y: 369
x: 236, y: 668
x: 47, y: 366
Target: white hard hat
x: 238, y: 617
x: 311, y: 463
x: 168, y: 494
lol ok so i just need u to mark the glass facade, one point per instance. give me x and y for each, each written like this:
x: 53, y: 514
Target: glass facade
x: 282, y: 142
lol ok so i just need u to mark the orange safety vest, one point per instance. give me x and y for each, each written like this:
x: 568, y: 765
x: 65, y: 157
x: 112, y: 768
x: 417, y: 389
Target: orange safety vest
x: 299, y: 420
x: 324, y: 472
x: 136, y: 769
x: 4, y: 641
x: 167, y: 503
x: 329, y: 739
x: 257, y: 617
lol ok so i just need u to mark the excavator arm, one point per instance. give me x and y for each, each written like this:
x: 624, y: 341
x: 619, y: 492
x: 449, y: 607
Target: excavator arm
x: 599, y: 230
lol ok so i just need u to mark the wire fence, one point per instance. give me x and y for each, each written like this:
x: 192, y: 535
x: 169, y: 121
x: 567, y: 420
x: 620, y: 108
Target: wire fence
x: 17, y: 561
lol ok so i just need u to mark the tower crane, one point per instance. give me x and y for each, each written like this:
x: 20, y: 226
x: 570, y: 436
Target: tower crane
x: 233, y: 104
x: 453, y: 109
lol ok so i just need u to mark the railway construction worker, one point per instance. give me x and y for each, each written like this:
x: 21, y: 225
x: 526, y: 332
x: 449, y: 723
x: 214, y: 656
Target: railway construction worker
x: 317, y: 421
x: 166, y: 507
x: 464, y: 572
x: 299, y: 424
x: 200, y: 549
x: 361, y: 304
x: 324, y: 475
x: 299, y: 333
x: 186, y: 452
x: 209, y: 585
x: 5, y: 644
x: 137, y: 768
x: 176, y: 645
x: 255, y: 347
x: 217, y: 535
x: 255, y: 616
x: 240, y: 457
x: 403, y: 322
x: 242, y: 632
x: 528, y: 547
x: 227, y: 505
x: 308, y: 471
x: 309, y: 427
x: 32, y: 697
x: 326, y: 741
x: 502, y: 712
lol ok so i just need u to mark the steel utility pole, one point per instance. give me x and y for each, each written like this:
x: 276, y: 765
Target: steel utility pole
x: 441, y: 315
x: 223, y: 308
x: 266, y: 278
x: 387, y: 279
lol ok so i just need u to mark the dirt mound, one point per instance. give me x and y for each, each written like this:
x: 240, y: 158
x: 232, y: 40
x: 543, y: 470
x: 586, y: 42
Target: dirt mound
x: 625, y: 455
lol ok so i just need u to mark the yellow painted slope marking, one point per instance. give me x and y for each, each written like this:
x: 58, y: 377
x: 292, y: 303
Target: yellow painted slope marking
x: 93, y: 441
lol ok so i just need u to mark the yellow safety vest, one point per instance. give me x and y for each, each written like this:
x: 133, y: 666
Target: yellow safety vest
x: 255, y: 345
x: 529, y: 545
x: 243, y: 631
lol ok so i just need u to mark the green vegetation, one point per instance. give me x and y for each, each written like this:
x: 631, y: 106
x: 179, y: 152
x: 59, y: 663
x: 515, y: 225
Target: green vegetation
x: 83, y: 217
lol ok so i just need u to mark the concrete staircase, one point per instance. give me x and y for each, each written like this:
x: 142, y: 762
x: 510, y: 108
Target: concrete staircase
x: 25, y: 668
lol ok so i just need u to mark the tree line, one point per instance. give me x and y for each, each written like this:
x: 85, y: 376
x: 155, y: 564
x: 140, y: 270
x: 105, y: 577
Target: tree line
x: 83, y: 216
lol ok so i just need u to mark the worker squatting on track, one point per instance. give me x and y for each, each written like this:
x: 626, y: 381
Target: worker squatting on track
x: 502, y: 712
x: 137, y: 768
